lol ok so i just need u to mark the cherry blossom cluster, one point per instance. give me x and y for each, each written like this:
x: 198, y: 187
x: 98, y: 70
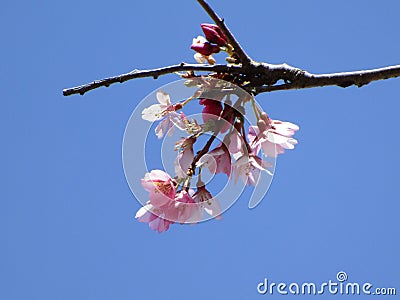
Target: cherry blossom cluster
x: 241, y: 152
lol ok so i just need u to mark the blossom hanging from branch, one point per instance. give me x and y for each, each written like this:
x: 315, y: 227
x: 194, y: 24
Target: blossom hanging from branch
x: 240, y: 151
x: 234, y: 149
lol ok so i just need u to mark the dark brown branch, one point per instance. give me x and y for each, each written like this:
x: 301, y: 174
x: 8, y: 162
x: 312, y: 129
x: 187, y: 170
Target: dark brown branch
x: 305, y: 79
x: 253, y: 76
x: 203, y: 151
x: 155, y: 73
x: 262, y: 77
x: 243, y: 57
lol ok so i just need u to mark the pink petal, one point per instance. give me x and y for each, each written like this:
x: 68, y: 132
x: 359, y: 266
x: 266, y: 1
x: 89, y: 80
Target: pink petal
x: 158, y: 175
x: 158, y: 199
x: 235, y: 145
x: 178, y: 119
x: 212, y: 208
x: 183, y: 162
x: 163, y: 127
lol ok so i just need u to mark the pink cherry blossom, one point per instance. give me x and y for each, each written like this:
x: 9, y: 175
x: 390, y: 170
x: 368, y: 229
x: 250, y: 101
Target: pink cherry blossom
x: 157, y: 111
x: 168, y: 124
x: 165, y: 109
x: 160, y: 186
x: 185, y: 207
x: 274, y: 139
x: 165, y: 206
x: 284, y: 128
x: 151, y: 214
x: 249, y: 167
x: 184, y: 158
x: 217, y: 160
x: 207, y: 202
x: 236, y: 144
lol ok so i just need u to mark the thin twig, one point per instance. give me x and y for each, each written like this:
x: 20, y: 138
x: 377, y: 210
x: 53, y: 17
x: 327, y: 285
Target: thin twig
x: 262, y: 77
x: 203, y: 151
x: 155, y: 73
x: 243, y: 57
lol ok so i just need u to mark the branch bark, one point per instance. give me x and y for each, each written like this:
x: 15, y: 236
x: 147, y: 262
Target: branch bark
x: 155, y: 73
x: 243, y: 57
x: 253, y: 76
x: 262, y: 77
x: 342, y: 79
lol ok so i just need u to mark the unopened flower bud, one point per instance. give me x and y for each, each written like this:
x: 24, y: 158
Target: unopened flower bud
x: 214, y: 34
x: 211, y: 60
x: 201, y: 46
x: 177, y: 106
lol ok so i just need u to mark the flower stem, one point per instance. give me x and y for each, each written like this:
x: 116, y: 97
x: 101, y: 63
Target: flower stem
x: 203, y: 151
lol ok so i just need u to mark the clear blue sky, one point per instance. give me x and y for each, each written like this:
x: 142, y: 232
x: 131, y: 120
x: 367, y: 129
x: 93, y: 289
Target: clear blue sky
x: 66, y: 217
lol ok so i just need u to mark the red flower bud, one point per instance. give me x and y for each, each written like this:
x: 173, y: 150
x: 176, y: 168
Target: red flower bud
x: 201, y: 46
x: 178, y: 106
x: 214, y: 34
x: 212, y: 109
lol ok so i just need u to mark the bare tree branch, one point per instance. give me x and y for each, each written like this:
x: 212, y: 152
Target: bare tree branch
x: 253, y: 76
x: 256, y: 77
x: 243, y: 57
x: 155, y: 73
x: 343, y: 79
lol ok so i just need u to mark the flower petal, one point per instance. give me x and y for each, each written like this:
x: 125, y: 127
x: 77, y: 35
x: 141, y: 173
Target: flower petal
x: 200, y: 58
x: 235, y: 145
x: 285, y: 128
x: 157, y: 175
x: 163, y: 128
x: 152, y: 113
x: 183, y: 162
x: 143, y: 210
x: 164, y: 99
x: 158, y: 199
x: 178, y: 120
x: 212, y: 208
